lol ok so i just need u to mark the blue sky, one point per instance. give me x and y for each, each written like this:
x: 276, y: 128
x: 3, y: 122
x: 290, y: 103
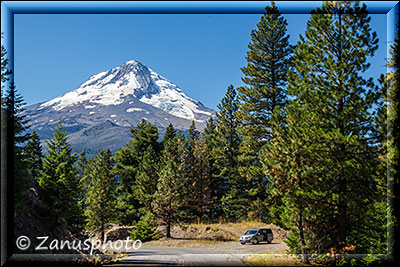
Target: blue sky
x: 202, y: 53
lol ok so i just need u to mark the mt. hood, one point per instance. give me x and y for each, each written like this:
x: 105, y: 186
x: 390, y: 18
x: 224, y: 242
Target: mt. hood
x: 99, y: 113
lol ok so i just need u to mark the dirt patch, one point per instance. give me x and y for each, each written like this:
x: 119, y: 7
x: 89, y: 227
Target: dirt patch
x: 222, y: 232
x: 223, y: 238
x: 113, y: 232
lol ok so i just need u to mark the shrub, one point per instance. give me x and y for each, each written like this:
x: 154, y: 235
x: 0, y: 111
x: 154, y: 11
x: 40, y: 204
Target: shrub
x: 145, y: 231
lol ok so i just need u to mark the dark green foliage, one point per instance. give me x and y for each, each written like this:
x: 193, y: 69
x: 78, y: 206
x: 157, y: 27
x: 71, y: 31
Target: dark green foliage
x: 265, y: 76
x: 232, y: 187
x: 170, y: 197
x: 293, y: 162
x: 201, y: 195
x: 82, y: 175
x: 15, y: 129
x: 169, y: 133
x: 100, y: 193
x: 216, y: 186
x: 58, y: 185
x: 389, y: 122
x: 5, y: 70
x: 324, y: 158
x: 33, y: 155
x: 127, y: 168
x: 145, y: 230
x: 13, y: 126
x: 190, y: 173
x: 147, y: 177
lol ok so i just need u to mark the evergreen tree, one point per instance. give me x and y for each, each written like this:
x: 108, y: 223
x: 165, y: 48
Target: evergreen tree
x: 5, y: 70
x: 81, y: 168
x: 201, y: 199
x: 232, y: 187
x: 217, y: 183
x: 33, y: 155
x: 292, y: 162
x: 81, y: 172
x: 127, y: 166
x: 393, y: 148
x: 169, y: 133
x: 329, y: 142
x: 100, y: 196
x: 58, y: 184
x: 147, y: 178
x: 14, y: 126
x: 388, y: 120
x: 189, y: 169
x: 169, y: 197
x: 266, y: 79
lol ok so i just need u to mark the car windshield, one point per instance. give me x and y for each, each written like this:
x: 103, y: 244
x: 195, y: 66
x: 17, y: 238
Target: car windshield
x: 250, y: 232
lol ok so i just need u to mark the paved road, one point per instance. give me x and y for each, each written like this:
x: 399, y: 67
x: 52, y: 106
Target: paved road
x: 174, y: 256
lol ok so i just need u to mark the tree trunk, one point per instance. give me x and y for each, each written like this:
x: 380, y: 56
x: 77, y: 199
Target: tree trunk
x: 341, y: 220
x: 342, y: 204
x: 102, y: 232
x: 302, y: 241
x: 168, y: 229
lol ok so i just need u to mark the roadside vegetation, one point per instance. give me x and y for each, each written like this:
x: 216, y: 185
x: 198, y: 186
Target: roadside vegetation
x: 303, y: 147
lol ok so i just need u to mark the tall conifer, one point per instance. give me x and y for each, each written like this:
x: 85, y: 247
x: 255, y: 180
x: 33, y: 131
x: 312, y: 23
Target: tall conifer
x: 58, y: 185
x: 100, y: 194
x: 233, y: 194
x: 329, y: 142
x: 127, y: 164
x: 169, y: 198
x: 265, y: 77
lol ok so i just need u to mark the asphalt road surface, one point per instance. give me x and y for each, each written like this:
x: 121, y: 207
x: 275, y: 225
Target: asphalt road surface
x: 175, y: 256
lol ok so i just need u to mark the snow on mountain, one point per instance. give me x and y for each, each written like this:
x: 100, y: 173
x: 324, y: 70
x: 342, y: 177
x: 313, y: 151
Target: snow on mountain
x: 103, y: 109
x: 132, y: 79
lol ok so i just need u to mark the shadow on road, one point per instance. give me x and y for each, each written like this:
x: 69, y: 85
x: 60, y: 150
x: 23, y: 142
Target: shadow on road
x: 146, y: 262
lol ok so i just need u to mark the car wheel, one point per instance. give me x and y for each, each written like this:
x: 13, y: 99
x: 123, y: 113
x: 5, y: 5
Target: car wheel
x: 254, y: 241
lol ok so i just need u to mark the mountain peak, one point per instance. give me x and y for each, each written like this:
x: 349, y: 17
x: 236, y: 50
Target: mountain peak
x: 132, y: 62
x: 132, y: 79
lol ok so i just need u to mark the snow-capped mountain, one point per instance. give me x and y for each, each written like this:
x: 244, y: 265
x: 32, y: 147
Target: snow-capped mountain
x: 106, y: 105
x: 132, y: 78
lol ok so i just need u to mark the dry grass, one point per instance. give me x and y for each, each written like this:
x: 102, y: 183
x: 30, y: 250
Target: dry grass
x: 224, y: 231
x: 271, y: 260
x: 184, y: 243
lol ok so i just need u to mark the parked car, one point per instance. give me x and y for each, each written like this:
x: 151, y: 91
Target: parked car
x: 256, y: 236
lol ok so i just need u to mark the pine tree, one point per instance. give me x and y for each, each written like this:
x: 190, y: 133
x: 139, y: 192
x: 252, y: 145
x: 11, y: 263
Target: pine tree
x: 266, y: 79
x: 393, y: 148
x: 100, y: 196
x: 388, y: 120
x: 14, y: 126
x: 201, y: 199
x: 189, y: 170
x: 169, y: 198
x: 217, y: 184
x: 127, y: 166
x: 232, y: 191
x: 33, y: 155
x: 82, y: 175
x: 147, y: 178
x: 292, y: 163
x: 169, y: 133
x: 5, y: 70
x: 329, y: 141
x: 58, y: 184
